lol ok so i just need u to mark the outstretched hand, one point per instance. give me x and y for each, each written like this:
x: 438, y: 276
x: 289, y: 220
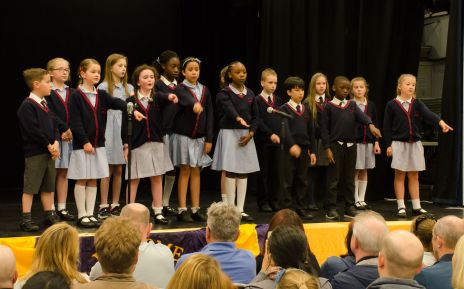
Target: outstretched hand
x: 444, y: 126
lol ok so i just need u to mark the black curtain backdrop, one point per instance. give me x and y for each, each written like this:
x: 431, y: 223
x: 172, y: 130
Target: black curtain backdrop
x: 448, y: 189
x: 376, y: 39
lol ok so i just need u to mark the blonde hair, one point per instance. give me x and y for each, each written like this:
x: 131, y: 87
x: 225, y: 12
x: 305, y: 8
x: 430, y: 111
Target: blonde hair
x: 458, y: 265
x: 401, y: 79
x: 297, y: 279
x: 109, y: 79
x: 33, y: 74
x: 311, y: 96
x: 117, y: 244
x: 52, y: 64
x: 58, y: 250
x: 267, y: 72
x: 84, y: 65
x: 359, y: 78
x: 199, y: 271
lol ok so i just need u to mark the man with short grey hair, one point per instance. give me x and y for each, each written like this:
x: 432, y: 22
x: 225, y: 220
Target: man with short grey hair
x: 399, y: 260
x: 369, y: 230
x: 8, y: 273
x: 445, y: 235
x: 222, y: 230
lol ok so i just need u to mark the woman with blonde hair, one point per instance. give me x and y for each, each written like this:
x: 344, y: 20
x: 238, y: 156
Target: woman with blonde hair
x: 296, y: 279
x: 200, y: 271
x: 58, y: 251
x: 457, y: 279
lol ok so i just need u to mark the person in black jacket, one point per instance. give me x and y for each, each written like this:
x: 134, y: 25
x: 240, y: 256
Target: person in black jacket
x: 148, y: 156
x: 41, y: 148
x: 403, y: 127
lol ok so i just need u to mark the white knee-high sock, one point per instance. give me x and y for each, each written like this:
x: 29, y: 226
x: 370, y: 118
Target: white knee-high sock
x: 356, y: 191
x: 229, y: 187
x: 416, y: 204
x: 241, y: 193
x: 362, y: 190
x: 400, y: 203
x: 90, y: 198
x: 167, y: 190
x: 79, y: 196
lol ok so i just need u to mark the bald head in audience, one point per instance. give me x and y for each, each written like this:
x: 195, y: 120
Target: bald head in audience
x: 140, y: 215
x: 446, y: 234
x: 8, y: 273
x: 369, y: 229
x: 400, y: 256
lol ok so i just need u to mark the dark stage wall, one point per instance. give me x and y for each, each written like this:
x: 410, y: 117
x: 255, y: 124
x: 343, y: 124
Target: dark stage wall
x: 376, y: 39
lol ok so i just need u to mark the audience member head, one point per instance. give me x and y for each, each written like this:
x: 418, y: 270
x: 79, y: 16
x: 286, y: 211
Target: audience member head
x: 117, y: 244
x: 400, y: 256
x: 199, y: 271
x: 223, y: 223
x: 457, y: 279
x: 422, y: 227
x: 287, y: 217
x: 288, y: 248
x: 369, y: 229
x: 446, y: 234
x: 295, y: 279
x: 348, y: 237
x: 140, y: 215
x: 58, y: 250
x: 47, y: 280
x: 8, y: 273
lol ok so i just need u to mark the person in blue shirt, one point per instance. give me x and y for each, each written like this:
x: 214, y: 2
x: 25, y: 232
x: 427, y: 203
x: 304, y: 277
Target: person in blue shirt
x: 445, y: 236
x: 222, y: 230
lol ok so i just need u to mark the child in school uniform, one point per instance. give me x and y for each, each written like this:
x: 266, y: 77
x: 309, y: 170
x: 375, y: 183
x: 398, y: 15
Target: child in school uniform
x: 267, y: 143
x: 168, y: 66
x: 148, y: 158
x: 300, y: 144
x: 339, y: 139
x: 115, y: 84
x: 58, y: 101
x: 192, y: 139
x: 366, y: 144
x: 88, y: 163
x: 41, y: 148
x: 235, y: 151
x: 402, y: 130
x: 318, y: 96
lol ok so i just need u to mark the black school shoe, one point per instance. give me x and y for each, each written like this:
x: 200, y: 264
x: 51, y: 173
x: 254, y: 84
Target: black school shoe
x: 332, y: 214
x: 304, y: 215
x: 418, y: 212
x: 402, y: 213
x: 199, y: 216
x: 160, y: 219
x: 184, y: 216
x: 104, y: 212
x: 351, y: 212
x: 97, y: 222
x: 246, y: 218
x: 116, y: 211
x: 65, y: 215
x: 169, y: 211
x: 85, y: 222
x: 51, y: 218
x: 265, y: 208
x: 27, y: 225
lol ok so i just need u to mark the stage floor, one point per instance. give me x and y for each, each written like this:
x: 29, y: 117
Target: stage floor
x: 10, y: 213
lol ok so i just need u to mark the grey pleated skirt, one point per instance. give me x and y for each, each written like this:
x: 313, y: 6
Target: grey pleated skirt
x: 113, y: 142
x: 66, y: 149
x: 365, y: 158
x: 83, y: 166
x: 408, y: 157
x: 188, y: 151
x: 230, y: 157
x: 149, y: 160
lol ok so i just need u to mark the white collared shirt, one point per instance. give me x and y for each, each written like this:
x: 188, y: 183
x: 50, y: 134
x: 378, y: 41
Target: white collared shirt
x: 143, y: 98
x: 197, y: 89
x: 167, y: 82
x: 405, y: 103
x: 319, y: 96
x: 344, y: 102
x: 266, y: 96
x: 91, y: 95
x: 60, y: 92
x: 37, y: 98
x: 234, y: 90
x: 294, y: 104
